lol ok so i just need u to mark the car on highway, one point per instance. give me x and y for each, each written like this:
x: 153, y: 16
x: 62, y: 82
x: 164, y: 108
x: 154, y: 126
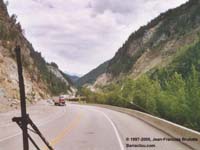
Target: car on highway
x: 60, y: 101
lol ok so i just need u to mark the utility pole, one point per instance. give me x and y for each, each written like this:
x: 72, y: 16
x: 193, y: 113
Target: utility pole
x: 22, y: 98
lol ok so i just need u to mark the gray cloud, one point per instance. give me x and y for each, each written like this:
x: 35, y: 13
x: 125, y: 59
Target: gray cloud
x: 115, y: 6
x: 79, y: 35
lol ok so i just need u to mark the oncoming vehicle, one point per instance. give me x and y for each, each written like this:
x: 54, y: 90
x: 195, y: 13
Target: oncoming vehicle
x: 60, y: 101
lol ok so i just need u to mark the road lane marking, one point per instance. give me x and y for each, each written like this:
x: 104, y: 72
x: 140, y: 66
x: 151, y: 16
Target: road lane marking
x: 31, y: 108
x: 116, y: 132
x: 9, y: 137
x: 48, y: 119
x: 64, y: 132
x: 115, y: 129
x: 39, y: 125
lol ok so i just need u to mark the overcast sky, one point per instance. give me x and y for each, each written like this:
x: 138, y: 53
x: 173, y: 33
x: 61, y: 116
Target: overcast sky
x: 81, y: 34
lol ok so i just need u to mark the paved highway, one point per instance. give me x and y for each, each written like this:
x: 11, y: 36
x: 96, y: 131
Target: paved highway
x: 81, y: 127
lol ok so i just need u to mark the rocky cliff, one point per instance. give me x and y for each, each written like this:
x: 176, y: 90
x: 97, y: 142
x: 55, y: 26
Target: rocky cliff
x: 41, y: 79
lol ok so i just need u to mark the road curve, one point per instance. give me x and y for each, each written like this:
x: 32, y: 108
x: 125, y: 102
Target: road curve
x: 82, y: 127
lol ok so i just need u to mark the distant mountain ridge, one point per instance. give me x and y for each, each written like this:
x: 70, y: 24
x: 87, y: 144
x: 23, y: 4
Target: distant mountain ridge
x: 91, y: 77
x: 73, y: 78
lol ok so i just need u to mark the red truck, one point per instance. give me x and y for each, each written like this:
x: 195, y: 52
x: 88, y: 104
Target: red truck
x: 60, y: 101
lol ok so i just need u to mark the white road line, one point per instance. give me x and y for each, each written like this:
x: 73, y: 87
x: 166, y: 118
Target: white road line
x: 9, y: 137
x: 41, y: 124
x: 7, y: 125
x: 48, y: 119
x: 115, y: 129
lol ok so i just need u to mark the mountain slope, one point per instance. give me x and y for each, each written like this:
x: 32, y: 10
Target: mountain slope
x: 91, y: 77
x: 155, y: 44
x: 40, y: 80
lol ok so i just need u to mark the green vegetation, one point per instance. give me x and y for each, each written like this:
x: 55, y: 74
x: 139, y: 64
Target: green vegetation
x: 10, y: 29
x: 172, y: 93
x: 55, y: 85
x: 6, y: 33
x: 122, y: 63
x: 54, y: 65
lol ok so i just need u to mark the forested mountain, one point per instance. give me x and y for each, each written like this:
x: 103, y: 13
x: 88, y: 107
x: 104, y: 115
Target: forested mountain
x: 154, y: 44
x: 157, y: 70
x: 41, y: 80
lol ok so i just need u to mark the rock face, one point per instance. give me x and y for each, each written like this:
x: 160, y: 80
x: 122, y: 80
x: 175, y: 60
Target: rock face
x: 155, y: 44
x: 41, y: 80
x: 58, y: 74
x: 64, y: 78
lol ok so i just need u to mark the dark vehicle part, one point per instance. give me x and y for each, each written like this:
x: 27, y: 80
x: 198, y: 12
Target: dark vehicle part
x: 25, y: 120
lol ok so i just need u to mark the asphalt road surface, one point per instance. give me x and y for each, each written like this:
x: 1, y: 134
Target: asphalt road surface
x: 82, y: 127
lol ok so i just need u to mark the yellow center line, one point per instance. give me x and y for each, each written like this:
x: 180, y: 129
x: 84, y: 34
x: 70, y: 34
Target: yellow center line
x: 64, y: 132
